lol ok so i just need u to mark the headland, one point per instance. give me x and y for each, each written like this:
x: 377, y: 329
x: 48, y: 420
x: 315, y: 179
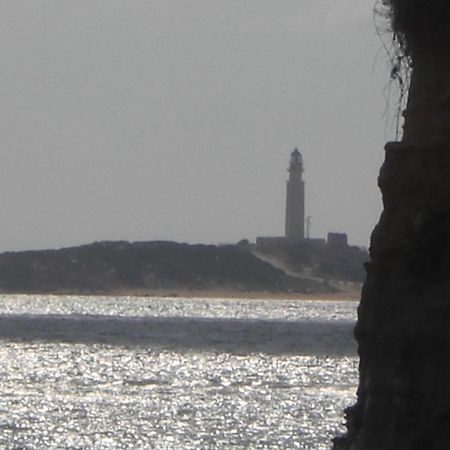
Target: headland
x: 170, y: 269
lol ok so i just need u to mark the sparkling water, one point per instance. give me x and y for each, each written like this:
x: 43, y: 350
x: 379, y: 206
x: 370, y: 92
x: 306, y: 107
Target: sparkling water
x: 173, y: 373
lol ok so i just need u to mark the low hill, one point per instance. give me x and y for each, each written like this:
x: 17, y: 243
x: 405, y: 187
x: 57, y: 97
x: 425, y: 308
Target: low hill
x: 119, y: 266
x: 318, y: 260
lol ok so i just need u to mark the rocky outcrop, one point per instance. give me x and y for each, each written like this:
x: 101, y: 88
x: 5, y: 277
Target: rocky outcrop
x: 403, y: 328
x: 403, y: 319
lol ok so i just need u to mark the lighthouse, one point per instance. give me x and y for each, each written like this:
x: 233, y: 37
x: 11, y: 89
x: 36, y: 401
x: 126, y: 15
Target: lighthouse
x: 295, y: 198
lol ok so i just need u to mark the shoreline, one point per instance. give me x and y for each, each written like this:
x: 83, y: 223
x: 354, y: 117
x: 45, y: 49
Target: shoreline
x: 348, y: 293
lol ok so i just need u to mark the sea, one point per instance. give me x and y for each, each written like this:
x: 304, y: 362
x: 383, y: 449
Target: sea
x: 88, y: 372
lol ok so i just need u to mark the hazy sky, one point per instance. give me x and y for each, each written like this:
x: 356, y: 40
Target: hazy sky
x: 174, y: 119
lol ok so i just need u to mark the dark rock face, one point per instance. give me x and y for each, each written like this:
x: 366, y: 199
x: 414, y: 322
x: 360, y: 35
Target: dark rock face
x: 403, y: 320
x: 403, y: 329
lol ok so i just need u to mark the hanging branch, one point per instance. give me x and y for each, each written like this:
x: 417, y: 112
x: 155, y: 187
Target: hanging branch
x: 396, y: 51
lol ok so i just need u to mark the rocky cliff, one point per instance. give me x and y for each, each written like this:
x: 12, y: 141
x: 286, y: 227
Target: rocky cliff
x: 403, y: 328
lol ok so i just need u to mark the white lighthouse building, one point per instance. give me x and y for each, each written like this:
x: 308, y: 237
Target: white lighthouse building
x: 295, y: 199
x: 295, y: 223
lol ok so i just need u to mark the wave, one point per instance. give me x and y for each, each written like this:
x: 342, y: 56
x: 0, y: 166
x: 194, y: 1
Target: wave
x: 242, y: 336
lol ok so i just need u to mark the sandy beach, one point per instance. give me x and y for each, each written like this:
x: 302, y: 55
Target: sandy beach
x: 347, y: 292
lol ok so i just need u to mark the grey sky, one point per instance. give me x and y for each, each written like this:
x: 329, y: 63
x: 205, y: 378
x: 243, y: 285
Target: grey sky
x: 174, y: 119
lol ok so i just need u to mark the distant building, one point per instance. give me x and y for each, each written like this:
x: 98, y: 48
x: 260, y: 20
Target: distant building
x: 295, y: 208
x: 295, y: 215
x: 270, y: 243
x: 337, y: 240
x: 295, y: 199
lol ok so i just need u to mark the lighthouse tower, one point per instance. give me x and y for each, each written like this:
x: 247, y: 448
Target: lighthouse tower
x: 295, y: 198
